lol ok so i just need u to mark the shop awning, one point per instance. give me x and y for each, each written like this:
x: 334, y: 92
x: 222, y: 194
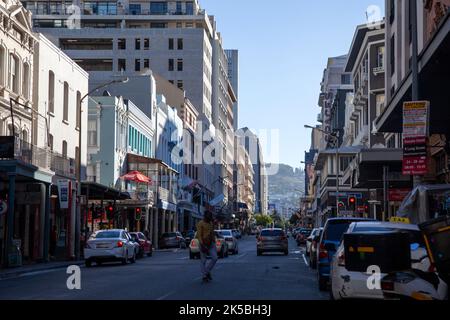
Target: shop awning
x: 97, y: 191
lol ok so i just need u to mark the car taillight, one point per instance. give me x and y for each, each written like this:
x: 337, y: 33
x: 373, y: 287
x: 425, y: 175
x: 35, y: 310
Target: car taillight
x: 387, y: 285
x: 323, y: 253
x: 218, y: 243
x: 193, y: 243
x: 119, y: 244
x: 341, y: 259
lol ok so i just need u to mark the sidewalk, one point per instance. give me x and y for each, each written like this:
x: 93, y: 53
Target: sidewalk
x: 7, y: 273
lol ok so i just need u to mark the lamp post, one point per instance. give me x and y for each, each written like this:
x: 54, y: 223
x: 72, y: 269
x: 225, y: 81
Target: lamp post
x: 335, y: 137
x: 80, y: 112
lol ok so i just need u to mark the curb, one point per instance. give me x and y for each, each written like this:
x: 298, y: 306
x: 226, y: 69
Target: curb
x: 17, y: 273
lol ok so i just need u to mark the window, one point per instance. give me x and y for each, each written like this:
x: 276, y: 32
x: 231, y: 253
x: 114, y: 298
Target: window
x: 158, y: 25
x: 380, y: 98
x: 380, y: 57
x: 392, y: 55
x: 25, y: 135
x: 190, y: 8
x: 51, y: 92
x: 92, y: 133
x: 345, y: 79
x: 344, y: 162
x: 171, y: 44
x: 137, y: 44
x: 146, y: 43
x: 392, y: 11
x: 95, y: 64
x: 180, y: 64
x: 391, y: 142
x: 178, y: 11
x: 2, y: 65
x: 135, y: 9
x: 26, y: 81
x: 13, y: 73
x: 66, y: 102
x: 78, y: 116
x: 158, y: 7
x: 179, y: 25
x: 146, y: 63
x: 171, y: 65
x: 50, y: 142
x: 180, y: 84
x: 121, y: 65
x: 122, y: 44
x: 180, y: 44
x: 137, y: 65
x: 64, y: 149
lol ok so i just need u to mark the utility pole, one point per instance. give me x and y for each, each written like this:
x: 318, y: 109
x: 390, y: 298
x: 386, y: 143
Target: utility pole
x: 417, y: 180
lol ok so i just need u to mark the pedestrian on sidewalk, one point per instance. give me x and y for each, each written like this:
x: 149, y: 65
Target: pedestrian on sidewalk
x: 207, y: 242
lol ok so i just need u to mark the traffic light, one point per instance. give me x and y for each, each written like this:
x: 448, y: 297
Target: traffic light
x: 352, y: 203
x: 138, y: 214
x: 110, y: 211
x: 341, y: 205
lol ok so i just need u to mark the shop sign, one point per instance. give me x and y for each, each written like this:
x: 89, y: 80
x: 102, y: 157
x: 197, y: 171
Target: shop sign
x: 398, y: 195
x: 415, y: 132
x: 63, y: 193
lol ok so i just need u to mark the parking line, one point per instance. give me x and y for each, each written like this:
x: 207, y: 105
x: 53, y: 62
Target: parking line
x: 304, y: 259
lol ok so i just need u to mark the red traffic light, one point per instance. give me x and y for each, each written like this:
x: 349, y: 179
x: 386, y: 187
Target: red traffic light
x: 352, y: 200
x: 138, y: 210
x: 110, y: 208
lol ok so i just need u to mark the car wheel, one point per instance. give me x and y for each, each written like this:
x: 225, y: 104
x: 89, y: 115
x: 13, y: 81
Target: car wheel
x: 191, y: 256
x: 258, y: 253
x: 88, y: 263
x: 150, y: 253
x: 286, y: 252
x: 322, y: 283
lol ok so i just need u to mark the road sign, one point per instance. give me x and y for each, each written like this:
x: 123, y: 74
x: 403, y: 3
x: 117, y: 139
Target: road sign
x: 3, y: 207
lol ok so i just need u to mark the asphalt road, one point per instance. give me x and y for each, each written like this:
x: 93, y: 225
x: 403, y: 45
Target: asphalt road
x: 170, y: 275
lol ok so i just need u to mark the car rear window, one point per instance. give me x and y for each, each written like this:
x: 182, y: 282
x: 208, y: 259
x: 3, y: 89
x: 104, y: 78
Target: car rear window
x: 133, y: 236
x: 226, y: 233
x: 414, y: 235
x: 107, y: 235
x: 272, y: 233
x: 336, y: 229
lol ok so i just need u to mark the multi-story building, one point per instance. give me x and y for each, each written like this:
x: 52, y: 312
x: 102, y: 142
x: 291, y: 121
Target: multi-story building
x: 378, y: 160
x: 233, y: 76
x: 36, y: 156
x: 433, y: 25
x: 252, y: 145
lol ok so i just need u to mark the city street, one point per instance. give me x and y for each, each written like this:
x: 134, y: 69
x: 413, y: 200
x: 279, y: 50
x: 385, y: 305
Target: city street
x: 170, y: 275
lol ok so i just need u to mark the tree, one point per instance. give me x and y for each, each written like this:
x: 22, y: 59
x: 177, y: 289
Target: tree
x: 262, y: 220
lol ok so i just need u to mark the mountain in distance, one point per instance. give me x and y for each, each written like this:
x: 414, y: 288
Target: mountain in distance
x: 284, y: 188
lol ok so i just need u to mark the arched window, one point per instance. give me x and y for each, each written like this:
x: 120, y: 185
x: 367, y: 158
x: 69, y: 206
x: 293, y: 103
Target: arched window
x: 51, y: 92
x: 26, y: 81
x: 66, y: 102
x: 14, y: 73
x: 25, y: 135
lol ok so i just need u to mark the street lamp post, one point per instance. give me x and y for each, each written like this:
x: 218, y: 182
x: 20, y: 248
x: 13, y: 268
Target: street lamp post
x: 80, y: 112
x: 335, y: 137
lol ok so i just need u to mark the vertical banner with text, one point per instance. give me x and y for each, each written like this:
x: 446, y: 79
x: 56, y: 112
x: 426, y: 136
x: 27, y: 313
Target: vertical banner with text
x: 415, y: 135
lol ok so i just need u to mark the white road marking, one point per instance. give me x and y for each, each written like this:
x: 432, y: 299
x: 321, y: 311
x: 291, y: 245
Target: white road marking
x: 304, y: 259
x: 241, y: 255
x: 183, y: 258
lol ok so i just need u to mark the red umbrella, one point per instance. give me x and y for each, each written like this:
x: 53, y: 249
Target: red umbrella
x: 136, y: 176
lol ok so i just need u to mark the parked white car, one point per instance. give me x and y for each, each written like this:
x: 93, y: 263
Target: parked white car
x: 231, y: 240
x: 110, y: 245
x: 349, y: 284
x: 310, y: 239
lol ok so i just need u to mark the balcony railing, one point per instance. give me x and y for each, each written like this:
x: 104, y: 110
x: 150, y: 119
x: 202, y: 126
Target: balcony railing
x: 44, y: 159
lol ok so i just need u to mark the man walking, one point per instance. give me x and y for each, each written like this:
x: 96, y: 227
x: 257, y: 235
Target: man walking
x: 207, y: 242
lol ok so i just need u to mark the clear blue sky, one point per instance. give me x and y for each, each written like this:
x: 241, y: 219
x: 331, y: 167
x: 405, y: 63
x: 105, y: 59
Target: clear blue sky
x: 284, y: 46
